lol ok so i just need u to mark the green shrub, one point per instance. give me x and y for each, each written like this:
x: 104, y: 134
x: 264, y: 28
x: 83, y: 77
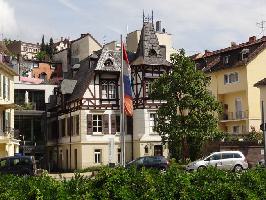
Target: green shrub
x: 120, y: 183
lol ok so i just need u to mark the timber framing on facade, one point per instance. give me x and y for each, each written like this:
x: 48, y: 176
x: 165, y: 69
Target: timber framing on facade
x: 87, y: 107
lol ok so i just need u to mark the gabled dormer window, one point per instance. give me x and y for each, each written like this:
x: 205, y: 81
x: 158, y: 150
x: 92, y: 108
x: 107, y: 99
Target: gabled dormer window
x: 226, y: 59
x: 108, y: 63
x: 244, y: 53
x: 152, y: 52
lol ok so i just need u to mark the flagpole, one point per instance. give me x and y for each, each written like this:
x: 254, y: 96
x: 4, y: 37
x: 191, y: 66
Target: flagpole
x: 122, y: 108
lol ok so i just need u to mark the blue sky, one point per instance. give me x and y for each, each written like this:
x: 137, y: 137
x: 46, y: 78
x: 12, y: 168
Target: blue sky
x: 196, y: 25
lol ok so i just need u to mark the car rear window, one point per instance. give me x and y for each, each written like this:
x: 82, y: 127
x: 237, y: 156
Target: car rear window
x: 237, y: 155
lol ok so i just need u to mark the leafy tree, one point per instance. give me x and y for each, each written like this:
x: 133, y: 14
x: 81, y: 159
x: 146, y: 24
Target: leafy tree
x: 189, y: 117
x: 41, y: 55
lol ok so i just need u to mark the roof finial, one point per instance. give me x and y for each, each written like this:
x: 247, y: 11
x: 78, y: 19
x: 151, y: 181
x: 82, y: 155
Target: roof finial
x: 143, y: 16
x: 152, y: 17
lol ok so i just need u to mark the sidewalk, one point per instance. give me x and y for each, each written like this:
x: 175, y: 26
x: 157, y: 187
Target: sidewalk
x: 67, y: 176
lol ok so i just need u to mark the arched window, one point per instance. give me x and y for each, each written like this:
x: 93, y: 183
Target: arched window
x: 43, y: 76
x: 108, y: 63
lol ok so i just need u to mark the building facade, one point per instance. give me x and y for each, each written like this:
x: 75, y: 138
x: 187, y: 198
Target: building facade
x: 164, y: 38
x: 86, y: 108
x: 26, y: 51
x: 233, y: 71
x: 9, y: 142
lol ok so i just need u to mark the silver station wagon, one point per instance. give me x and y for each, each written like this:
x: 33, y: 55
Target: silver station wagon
x: 228, y: 160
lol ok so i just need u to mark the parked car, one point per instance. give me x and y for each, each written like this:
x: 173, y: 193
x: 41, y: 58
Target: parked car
x: 18, y: 165
x: 155, y: 162
x: 228, y: 160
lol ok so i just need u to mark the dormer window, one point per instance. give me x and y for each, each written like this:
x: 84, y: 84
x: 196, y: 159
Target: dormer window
x: 152, y: 52
x: 108, y: 63
x: 226, y: 59
x: 244, y: 53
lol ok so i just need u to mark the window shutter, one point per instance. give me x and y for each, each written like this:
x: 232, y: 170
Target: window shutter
x: 68, y: 126
x: 129, y: 125
x: 89, y: 124
x: 105, y: 124
x: 72, y: 126
x: 113, y: 123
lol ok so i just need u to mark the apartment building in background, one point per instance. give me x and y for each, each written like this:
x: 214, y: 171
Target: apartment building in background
x: 9, y: 140
x: 233, y: 71
x: 25, y: 50
x: 77, y: 50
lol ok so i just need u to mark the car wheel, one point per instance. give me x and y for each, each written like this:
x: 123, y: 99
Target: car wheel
x: 238, y: 168
x: 201, y: 168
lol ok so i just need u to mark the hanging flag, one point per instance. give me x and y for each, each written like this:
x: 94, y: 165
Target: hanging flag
x: 128, y: 99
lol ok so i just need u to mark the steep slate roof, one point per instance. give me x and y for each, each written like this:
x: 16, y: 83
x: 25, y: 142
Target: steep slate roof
x: 214, y: 61
x: 260, y: 83
x: 114, y: 57
x: 83, y: 76
x: 4, y: 49
x: 148, y: 51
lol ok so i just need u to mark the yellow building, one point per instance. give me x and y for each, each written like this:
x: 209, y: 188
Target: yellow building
x: 8, y: 144
x: 233, y: 72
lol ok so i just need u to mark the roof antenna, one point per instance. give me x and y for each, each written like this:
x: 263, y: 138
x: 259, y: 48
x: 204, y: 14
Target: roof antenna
x: 261, y: 25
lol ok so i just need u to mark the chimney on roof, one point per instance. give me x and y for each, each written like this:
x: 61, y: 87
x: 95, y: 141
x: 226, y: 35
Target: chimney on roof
x: 252, y: 39
x: 83, y: 35
x: 233, y: 44
x: 158, y: 26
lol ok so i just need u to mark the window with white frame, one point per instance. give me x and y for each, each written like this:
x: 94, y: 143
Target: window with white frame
x: 226, y: 59
x: 244, y: 53
x: 97, y: 123
x: 148, y: 88
x: 231, y: 78
x: 109, y: 89
x: 97, y: 156
x: 152, y: 122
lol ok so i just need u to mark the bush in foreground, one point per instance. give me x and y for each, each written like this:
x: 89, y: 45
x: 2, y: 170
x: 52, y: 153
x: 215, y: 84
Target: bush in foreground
x: 119, y: 183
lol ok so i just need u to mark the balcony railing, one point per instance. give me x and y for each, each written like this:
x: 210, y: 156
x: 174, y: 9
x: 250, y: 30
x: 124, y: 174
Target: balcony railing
x: 9, y: 133
x: 234, y: 115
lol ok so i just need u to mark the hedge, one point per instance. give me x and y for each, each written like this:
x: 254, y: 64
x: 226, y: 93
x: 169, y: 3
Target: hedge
x: 119, y: 183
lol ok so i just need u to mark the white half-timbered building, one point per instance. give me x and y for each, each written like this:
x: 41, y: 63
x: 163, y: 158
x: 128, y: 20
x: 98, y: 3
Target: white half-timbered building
x: 84, y: 122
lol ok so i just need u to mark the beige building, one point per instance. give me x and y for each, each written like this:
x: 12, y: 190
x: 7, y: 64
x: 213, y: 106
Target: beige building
x: 233, y: 71
x: 86, y: 108
x: 27, y: 51
x: 164, y: 38
x: 77, y: 51
x: 9, y: 145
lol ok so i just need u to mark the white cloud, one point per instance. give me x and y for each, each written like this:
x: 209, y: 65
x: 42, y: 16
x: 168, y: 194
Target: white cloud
x: 69, y: 4
x: 8, y: 25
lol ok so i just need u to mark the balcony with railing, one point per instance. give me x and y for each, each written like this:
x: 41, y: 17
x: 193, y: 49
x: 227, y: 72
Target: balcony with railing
x: 239, y: 115
x: 8, y: 133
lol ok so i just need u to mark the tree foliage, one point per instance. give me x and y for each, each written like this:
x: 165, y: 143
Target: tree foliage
x: 46, y: 50
x: 189, y: 117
